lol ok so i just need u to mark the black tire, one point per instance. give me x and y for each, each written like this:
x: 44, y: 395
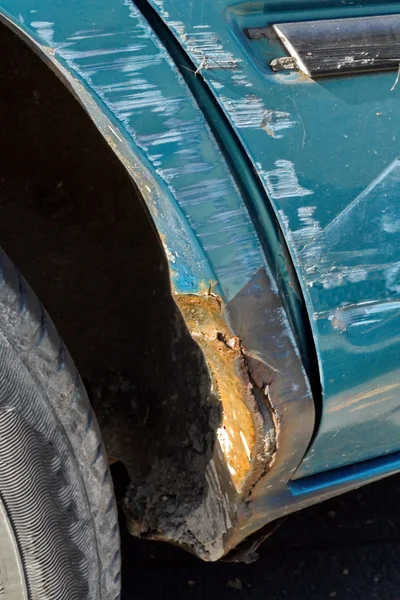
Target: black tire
x: 55, y: 484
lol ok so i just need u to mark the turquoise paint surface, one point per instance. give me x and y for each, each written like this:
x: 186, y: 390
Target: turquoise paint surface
x: 326, y: 152
x: 112, y: 50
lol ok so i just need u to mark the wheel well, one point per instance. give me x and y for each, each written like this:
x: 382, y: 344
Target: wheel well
x: 73, y: 222
x: 71, y: 218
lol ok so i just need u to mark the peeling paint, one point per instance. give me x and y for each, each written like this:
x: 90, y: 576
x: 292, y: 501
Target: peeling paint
x: 275, y: 121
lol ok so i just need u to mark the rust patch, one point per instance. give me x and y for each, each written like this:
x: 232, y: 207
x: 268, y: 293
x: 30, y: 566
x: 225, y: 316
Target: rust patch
x: 225, y: 360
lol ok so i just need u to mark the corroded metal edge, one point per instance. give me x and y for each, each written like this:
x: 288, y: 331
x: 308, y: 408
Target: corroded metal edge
x: 242, y: 426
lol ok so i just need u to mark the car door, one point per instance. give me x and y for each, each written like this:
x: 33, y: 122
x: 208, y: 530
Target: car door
x: 312, y: 91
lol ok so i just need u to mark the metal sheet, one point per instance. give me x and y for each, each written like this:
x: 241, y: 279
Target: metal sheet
x: 318, y: 147
x: 340, y: 46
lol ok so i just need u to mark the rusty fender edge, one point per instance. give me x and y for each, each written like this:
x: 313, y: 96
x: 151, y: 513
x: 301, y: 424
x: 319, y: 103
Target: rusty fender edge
x: 242, y: 449
x: 259, y: 438
x: 255, y: 368
x: 246, y: 440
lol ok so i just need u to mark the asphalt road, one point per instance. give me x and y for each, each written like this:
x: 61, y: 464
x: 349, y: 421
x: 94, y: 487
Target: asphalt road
x: 347, y: 548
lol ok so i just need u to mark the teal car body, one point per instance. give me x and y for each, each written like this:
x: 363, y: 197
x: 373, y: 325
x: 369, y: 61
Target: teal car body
x: 279, y: 190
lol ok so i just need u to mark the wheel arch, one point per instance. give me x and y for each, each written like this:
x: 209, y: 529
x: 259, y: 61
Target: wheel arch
x: 178, y: 239
x: 219, y: 277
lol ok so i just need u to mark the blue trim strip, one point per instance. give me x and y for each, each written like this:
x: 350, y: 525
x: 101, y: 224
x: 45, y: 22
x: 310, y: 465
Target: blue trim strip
x: 375, y: 468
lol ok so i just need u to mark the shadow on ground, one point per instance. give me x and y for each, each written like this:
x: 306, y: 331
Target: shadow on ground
x: 347, y: 548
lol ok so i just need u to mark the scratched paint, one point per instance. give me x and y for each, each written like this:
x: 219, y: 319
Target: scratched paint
x: 317, y: 173
x: 392, y: 278
x: 297, y: 175
x: 310, y: 229
x: 175, y: 128
x: 240, y: 79
x: 209, y: 49
x: 282, y: 182
x: 208, y: 52
x: 368, y: 313
x: 250, y: 112
x: 137, y: 97
x: 335, y: 258
x: 165, y: 125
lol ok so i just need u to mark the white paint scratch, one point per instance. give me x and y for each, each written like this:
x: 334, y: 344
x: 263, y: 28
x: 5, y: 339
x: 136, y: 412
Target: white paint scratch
x: 311, y: 229
x: 250, y: 113
x: 396, y: 80
x: 392, y: 278
x: 366, y: 314
x: 216, y: 84
x: 206, y: 43
x: 241, y: 79
x: 282, y: 182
